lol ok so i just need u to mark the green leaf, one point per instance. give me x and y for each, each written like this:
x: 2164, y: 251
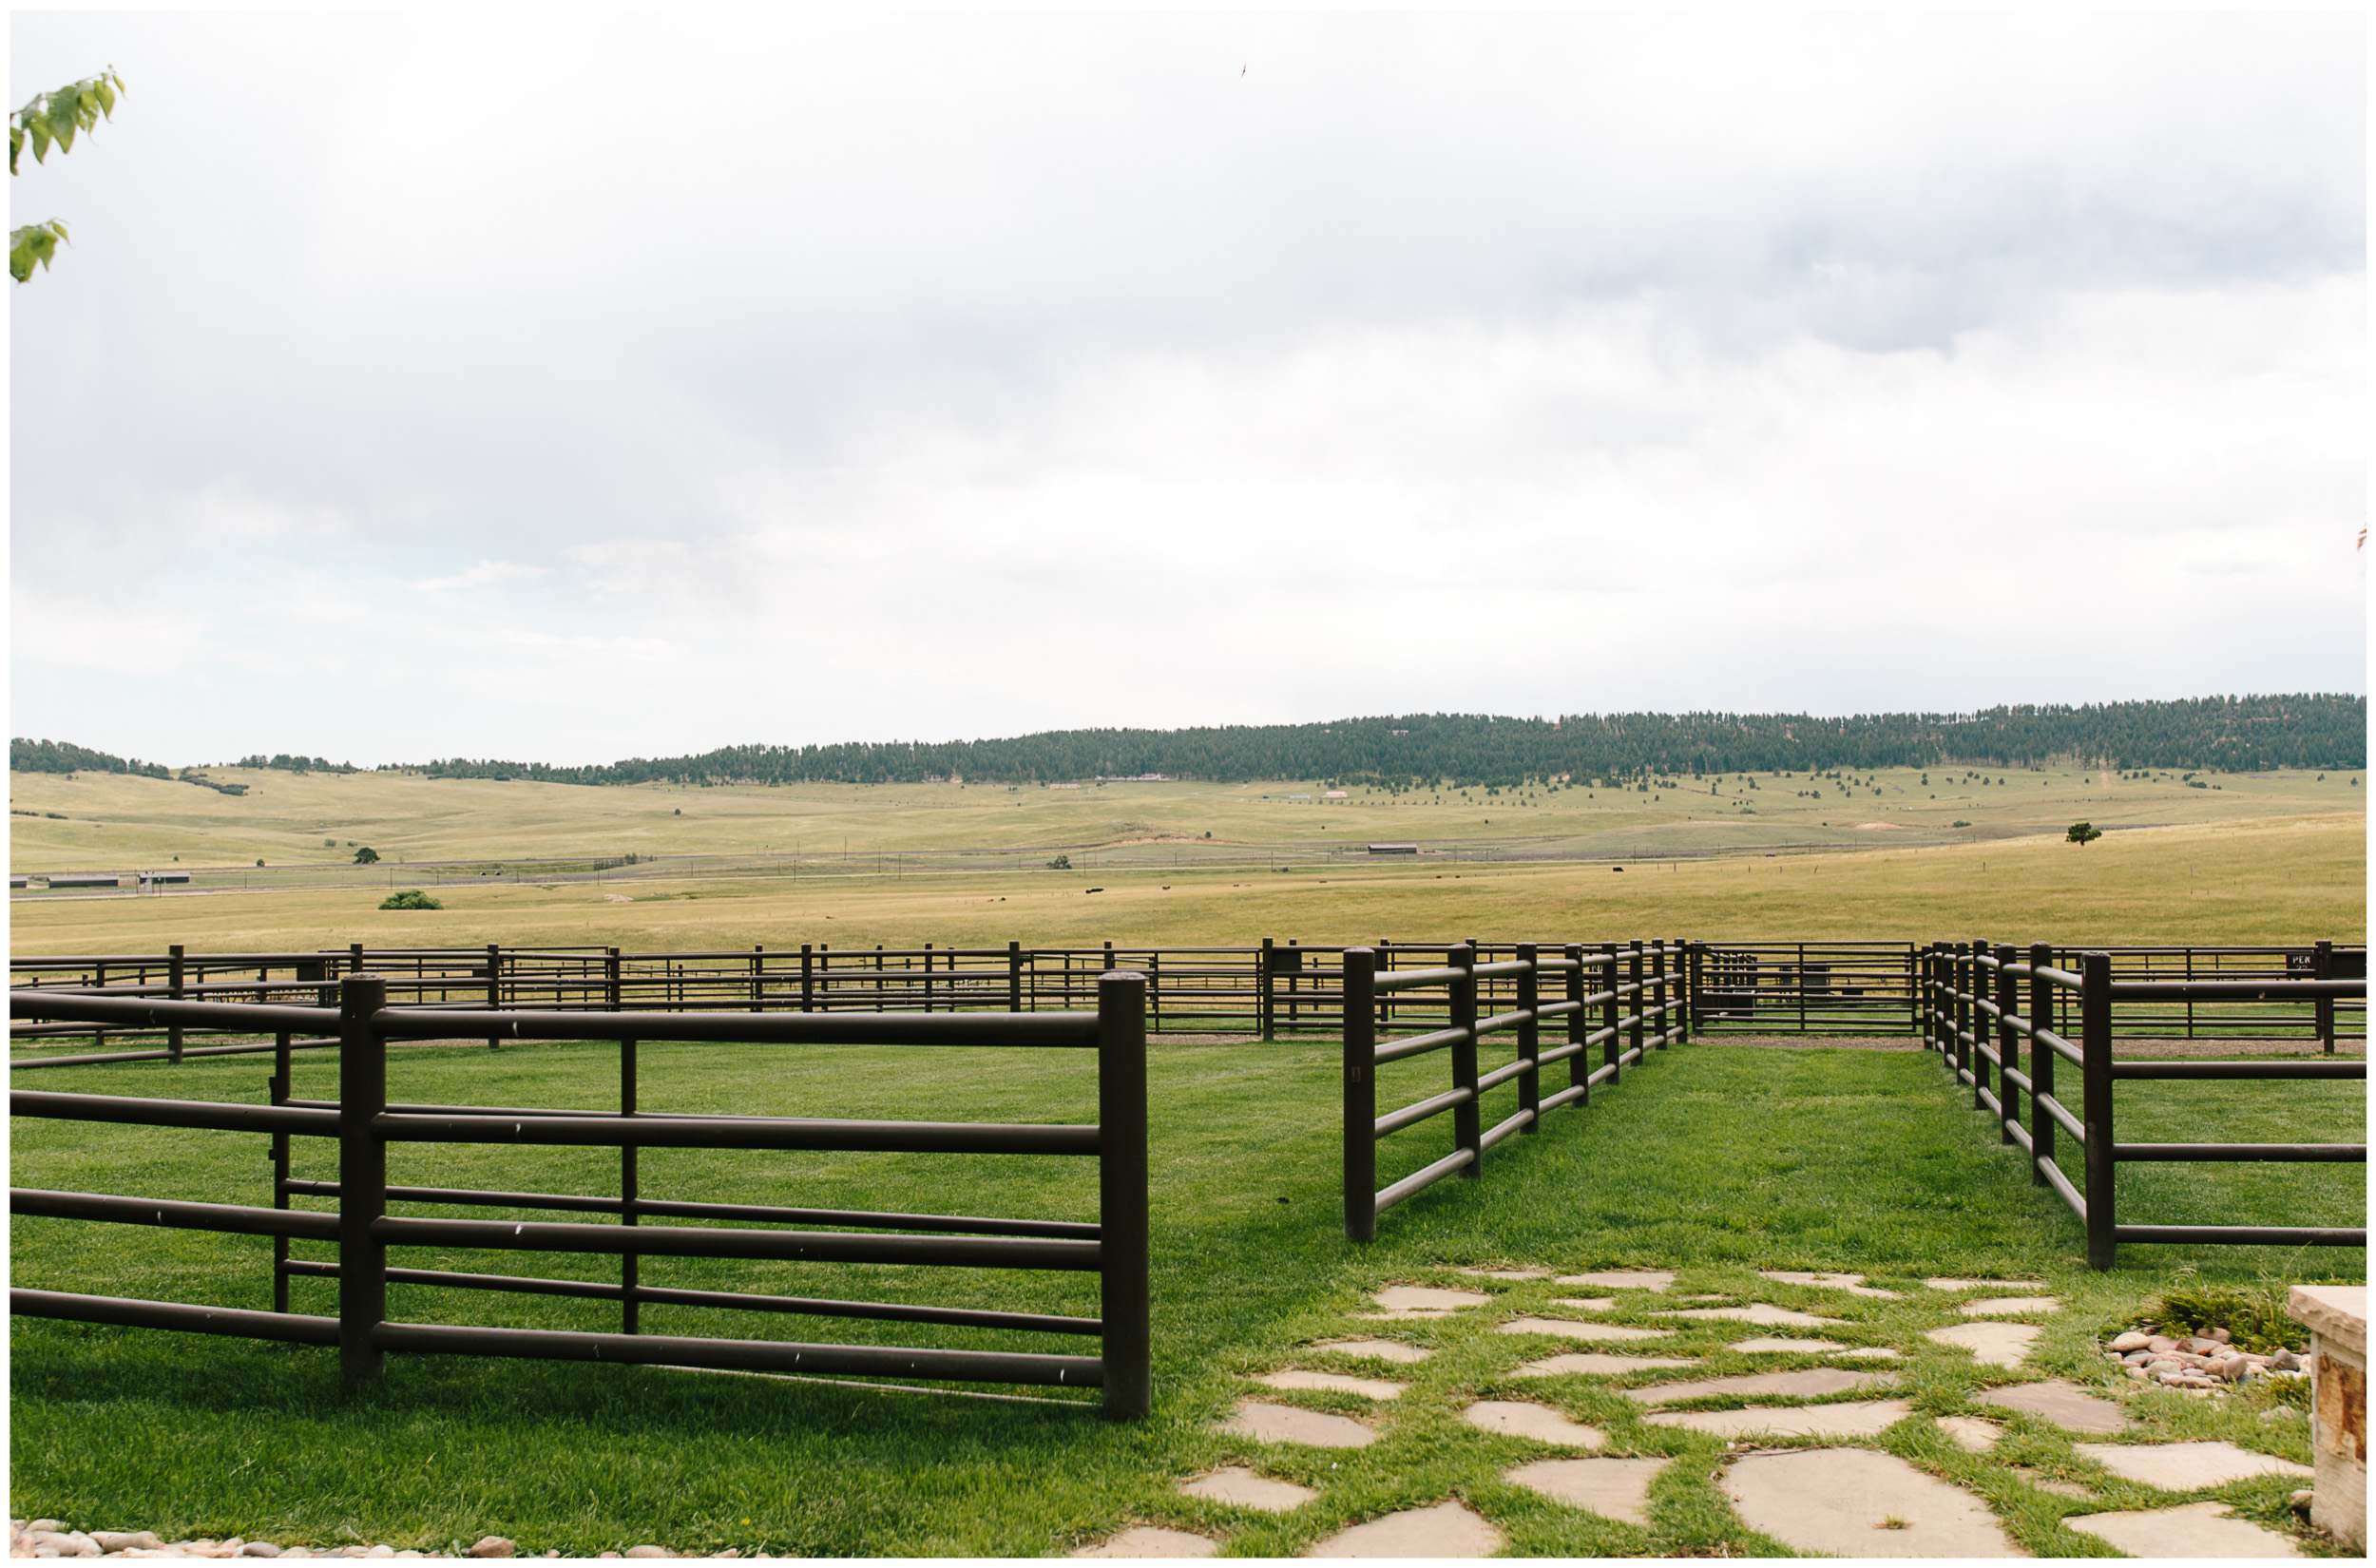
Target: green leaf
x: 35, y: 242
x: 41, y: 138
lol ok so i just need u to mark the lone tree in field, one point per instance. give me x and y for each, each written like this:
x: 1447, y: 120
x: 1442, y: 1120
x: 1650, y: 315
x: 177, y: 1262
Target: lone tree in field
x: 2082, y: 831
x: 367, y: 856
x: 59, y: 116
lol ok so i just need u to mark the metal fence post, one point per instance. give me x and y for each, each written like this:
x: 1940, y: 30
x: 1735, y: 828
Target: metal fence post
x: 1980, y: 989
x: 1360, y: 1095
x: 2042, y: 1126
x: 1264, y: 1008
x: 1961, y: 993
x: 1686, y: 989
x: 495, y: 986
x: 278, y: 1093
x: 362, y: 1178
x: 1612, y: 1049
x: 758, y: 980
x: 1124, y: 1308
x: 2008, y: 1043
x: 2321, y: 968
x: 1529, y: 1040
x: 1579, y: 1068
x: 174, y: 975
x: 630, y: 1264
x: 2096, y: 1072
x: 1658, y: 989
x: 1014, y: 977
x: 808, y: 978
x: 1634, y: 981
x: 1467, y: 1123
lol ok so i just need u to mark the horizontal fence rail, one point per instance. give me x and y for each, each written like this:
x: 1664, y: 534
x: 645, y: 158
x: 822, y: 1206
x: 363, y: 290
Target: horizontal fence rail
x: 362, y: 1123
x: 1991, y: 1009
x: 1636, y: 1012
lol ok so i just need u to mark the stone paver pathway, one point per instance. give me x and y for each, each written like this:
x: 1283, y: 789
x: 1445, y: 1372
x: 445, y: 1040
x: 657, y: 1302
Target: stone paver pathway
x: 1599, y: 1365
x: 1613, y: 1488
x: 1854, y: 1503
x: 1381, y: 1350
x: 1586, y: 1304
x: 1811, y: 1384
x: 1268, y: 1423
x: 1368, y: 1387
x: 1421, y: 1301
x: 2202, y: 1530
x: 1518, y: 1418
x: 1623, y: 1279
x: 1565, y: 1330
x: 2066, y: 1404
x: 2049, y: 1484
x: 1853, y: 1284
x: 1446, y: 1530
x: 1970, y: 1433
x: 1242, y: 1488
x: 1991, y: 1344
x: 2010, y: 1307
x: 1768, y: 1345
x: 1856, y: 1418
x: 1146, y: 1541
x: 1765, y: 1315
x: 2186, y: 1467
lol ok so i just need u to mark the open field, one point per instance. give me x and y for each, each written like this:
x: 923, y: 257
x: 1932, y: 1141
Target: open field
x: 309, y: 824
x: 2282, y: 878
x: 1711, y: 1158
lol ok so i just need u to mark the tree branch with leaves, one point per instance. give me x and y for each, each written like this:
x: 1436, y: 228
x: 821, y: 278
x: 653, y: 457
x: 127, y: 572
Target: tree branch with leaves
x: 47, y: 119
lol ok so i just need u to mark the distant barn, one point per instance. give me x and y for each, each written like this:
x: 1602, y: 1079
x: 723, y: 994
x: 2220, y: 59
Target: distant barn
x: 83, y: 879
x: 1394, y: 849
x: 152, y: 878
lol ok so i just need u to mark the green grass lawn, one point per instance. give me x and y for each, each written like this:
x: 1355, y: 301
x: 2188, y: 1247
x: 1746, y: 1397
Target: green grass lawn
x: 1716, y: 1161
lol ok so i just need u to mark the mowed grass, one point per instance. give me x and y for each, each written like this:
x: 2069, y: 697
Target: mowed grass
x: 1714, y: 1159
x: 2291, y: 879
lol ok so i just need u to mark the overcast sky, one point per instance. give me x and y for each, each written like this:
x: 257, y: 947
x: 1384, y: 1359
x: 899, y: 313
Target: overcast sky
x: 571, y: 388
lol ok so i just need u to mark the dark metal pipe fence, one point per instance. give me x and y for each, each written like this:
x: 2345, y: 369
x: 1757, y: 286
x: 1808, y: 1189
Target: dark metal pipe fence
x: 1634, y: 1013
x: 1990, y: 1008
x: 363, y: 1123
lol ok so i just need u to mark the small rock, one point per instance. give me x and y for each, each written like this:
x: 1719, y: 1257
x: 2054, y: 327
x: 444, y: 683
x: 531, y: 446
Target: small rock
x: 492, y: 1546
x: 2301, y: 1501
x: 2132, y: 1341
x: 44, y: 1526
x: 2161, y: 1342
x: 2223, y: 1336
x: 259, y: 1549
x: 2283, y: 1360
x: 127, y: 1540
x: 649, y: 1552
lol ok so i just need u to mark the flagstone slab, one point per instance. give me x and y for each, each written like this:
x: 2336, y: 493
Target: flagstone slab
x: 2049, y: 1484
x: 1970, y: 1433
x: 1528, y: 1272
x: 1991, y: 1344
x: 1267, y: 1423
x: 1853, y: 1284
x: 1623, y: 1279
x: 1522, y: 1418
x: 1147, y: 1541
x: 1381, y: 1350
x: 1427, y: 1298
x: 1769, y: 1345
x: 2066, y: 1404
x: 1985, y: 1284
x: 1855, y: 1502
x: 1368, y: 1387
x: 1240, y: 1488
x: 1763, y: 1313
x: 1585, y: 1304
x: 1579, y: 1330
x: 1811, y: 1384
x: 1853, y: 1418
x: 1613, y: 1488
x: 2186, y: 1467
x: 1597, y: 1364
x: 1446, y: 1530
x: 2010, y: 1307
x: 2196, y: 1530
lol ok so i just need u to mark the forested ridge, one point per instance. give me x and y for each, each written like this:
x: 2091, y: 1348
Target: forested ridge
x: 2222, y: 733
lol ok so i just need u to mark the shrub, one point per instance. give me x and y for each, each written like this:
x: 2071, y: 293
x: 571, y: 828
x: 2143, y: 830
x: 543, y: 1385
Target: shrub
x: 1061, y: 863
x: 411, y: 898
x: 2255, y: 1319
x: 367, y: 856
